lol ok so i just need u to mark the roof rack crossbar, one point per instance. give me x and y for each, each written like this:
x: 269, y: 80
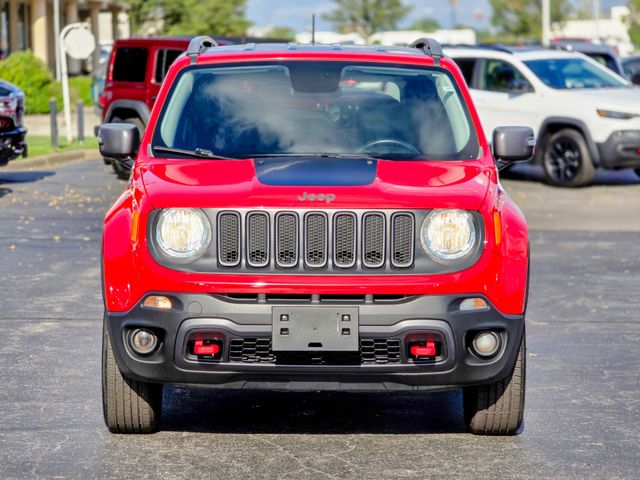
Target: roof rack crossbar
x: 199, y: 45
x: 430, y: 47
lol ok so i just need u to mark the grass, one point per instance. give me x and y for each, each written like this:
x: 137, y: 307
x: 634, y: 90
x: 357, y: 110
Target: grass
x: 39, y: 145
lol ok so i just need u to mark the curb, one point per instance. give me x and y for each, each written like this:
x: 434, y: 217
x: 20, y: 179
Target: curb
x: 53, y: 160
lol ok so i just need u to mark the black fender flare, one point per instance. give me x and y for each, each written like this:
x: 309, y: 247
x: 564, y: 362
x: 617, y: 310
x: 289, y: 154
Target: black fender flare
x: 141, y: 109
x: 578, y: 125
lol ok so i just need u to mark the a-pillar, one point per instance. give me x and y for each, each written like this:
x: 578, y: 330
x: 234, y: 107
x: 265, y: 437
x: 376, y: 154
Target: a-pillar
x: 39, y: 30
x: 94, y: 11
x: 14, y: 38
x: 71, y: 16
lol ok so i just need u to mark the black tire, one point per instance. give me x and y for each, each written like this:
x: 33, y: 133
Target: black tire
x: 566, y: 159
x: 121, y: 170
x: 498, y: 408
x: 637, y: 170
x: 129, y: 406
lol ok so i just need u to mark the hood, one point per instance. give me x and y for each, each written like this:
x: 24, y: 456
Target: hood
x: 625, y: 99
x: 315, y: 183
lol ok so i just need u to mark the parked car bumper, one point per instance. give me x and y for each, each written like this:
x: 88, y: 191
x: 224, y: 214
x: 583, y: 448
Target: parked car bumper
x: 381, y: 361
x: 621, y: 149
x: 12, y: 144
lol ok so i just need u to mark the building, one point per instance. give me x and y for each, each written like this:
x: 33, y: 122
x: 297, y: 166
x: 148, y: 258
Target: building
x: 613, y: 31
x: 462, y: 36
x: 29, y: 24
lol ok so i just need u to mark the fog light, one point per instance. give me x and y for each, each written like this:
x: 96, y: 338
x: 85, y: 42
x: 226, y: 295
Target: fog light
x: 158, y: 301
x: 143, y: 341
x: 486, y: 344
x: 475, y: 303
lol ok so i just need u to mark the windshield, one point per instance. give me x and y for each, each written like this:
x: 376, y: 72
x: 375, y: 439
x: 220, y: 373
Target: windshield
x: 569, y: 73
x: 316, y: 108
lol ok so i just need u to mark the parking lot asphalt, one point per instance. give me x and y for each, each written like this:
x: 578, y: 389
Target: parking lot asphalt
x: 583, y: 381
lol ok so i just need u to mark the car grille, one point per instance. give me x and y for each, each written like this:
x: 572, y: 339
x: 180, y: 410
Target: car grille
x: 330, y: 241
x: 373, y: 351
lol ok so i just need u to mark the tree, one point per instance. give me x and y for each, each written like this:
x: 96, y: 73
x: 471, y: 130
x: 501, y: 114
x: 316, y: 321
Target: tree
x: 367, y: 17
x: 285, y: 33
x: 193, y: 17
x: 425, y: 24
x: 521, y: 20
x: 634, y: 22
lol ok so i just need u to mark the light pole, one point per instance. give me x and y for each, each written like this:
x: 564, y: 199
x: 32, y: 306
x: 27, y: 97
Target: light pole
x: 546, y: 23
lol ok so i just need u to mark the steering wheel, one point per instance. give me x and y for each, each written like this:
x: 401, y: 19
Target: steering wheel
x: 389, y: 142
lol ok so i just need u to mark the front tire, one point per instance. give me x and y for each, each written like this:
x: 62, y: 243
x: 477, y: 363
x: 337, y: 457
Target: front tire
x: 566, y: 159
x: 637, y: 170
x: 129, y: 406
x: 498, y: 408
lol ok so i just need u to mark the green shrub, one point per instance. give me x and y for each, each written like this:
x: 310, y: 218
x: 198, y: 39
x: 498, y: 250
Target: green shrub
x: 30, y: 73
x: 80, y: 89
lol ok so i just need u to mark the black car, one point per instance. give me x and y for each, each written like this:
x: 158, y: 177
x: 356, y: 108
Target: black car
x: 600, y: 53
x: 631, y: 67
x: 12, y: 131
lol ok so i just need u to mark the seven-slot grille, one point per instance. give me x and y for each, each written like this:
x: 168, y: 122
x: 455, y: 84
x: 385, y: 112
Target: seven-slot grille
x: 315, y: 240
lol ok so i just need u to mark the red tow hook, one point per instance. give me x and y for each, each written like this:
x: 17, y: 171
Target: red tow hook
x: 428, y: 350
x: 199, y: 348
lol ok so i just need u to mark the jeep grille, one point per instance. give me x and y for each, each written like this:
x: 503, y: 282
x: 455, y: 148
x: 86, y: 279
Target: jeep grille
x: 315, y: 240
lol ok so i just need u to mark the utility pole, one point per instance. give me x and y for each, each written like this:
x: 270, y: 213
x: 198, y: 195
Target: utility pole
x: 453, y: 4
x: 546, y: 23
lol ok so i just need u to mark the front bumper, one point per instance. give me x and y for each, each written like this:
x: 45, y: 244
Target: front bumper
x: 383, y: 327
x: 12, y: 144
x: 621, y: 149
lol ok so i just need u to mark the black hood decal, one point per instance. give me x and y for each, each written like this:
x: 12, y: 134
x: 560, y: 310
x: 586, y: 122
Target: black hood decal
x: 315, y: 171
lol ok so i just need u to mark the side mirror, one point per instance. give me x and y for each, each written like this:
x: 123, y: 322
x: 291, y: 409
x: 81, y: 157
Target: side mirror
x: 119, y: 141
x: 512, y: 144
x: 519, y: 86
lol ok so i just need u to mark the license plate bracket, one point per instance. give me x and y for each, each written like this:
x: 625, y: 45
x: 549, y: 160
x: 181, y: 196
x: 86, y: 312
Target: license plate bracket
x: 300, y: 329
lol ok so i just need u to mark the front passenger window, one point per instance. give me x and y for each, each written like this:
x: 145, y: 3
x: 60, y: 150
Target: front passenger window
x: 499, y: 76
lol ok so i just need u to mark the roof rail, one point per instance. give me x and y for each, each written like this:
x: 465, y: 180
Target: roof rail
x: 199, y: 45
x: 430, y: 47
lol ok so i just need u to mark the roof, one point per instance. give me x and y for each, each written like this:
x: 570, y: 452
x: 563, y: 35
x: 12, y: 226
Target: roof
x: 306, y: 48
x: 521, y: 53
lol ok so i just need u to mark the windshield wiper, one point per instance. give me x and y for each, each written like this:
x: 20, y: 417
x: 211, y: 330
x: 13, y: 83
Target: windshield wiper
x: 196, y: 152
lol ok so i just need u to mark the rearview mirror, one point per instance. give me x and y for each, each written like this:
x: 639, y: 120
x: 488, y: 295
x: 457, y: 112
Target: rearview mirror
x: 512, y: 144
x: 119, y: 141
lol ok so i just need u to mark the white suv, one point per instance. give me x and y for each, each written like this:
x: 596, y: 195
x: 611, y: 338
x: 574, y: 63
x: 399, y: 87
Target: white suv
x: 584, y: 115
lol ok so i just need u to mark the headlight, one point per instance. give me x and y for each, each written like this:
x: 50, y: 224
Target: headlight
x: 615, y: 115
x: 448, y: 234
x: 183, y: 233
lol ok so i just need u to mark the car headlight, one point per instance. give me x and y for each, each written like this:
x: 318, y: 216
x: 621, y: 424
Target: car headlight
x: 183, y: 233
x: 615, y: 115
x: 448, y: 234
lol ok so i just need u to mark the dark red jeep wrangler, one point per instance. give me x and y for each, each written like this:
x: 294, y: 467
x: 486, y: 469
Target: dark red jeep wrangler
x: 315, y: 217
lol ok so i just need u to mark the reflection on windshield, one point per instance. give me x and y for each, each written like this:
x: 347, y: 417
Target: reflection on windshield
x: 317, y: 108
x: 569, y: 73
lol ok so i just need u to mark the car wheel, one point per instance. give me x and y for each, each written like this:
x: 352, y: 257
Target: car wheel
x: 637, y: 170
x: 498, y: 408
x: 566, y: 159
x: 129, y: 406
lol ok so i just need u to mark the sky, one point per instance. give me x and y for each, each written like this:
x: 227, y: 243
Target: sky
x: 297, y: 13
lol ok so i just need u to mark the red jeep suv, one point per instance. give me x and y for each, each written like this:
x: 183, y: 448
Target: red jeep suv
x: 308, y: 217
